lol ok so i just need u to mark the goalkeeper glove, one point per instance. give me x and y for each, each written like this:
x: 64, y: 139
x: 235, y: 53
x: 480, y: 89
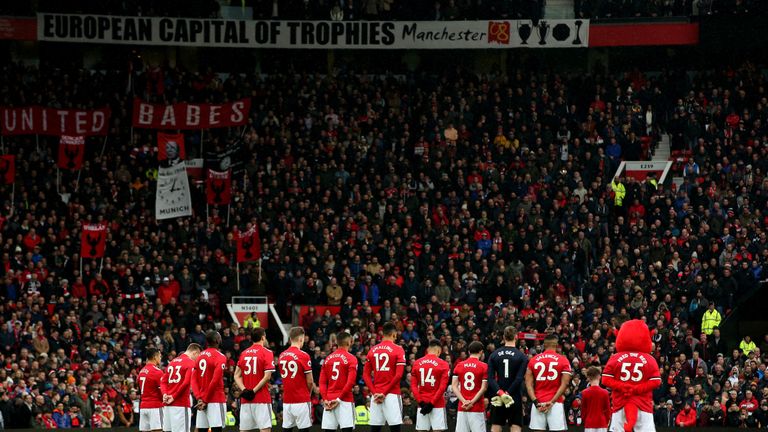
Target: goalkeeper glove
x: 248, y: 394
x: 496, y: 401
x: 507, y: 400
x: 426, y: 408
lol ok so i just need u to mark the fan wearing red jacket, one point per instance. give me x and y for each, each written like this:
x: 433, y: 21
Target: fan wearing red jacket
x: 337, y: 377
x: 632, y: 374
x: 546, y: 380
x: 382, y: 373
x: 209, y: 386
x: 470, y: 381
x: 429, y: 379
x: 595, y: 404
x: 296, y: 372
x: 151, y: 395
x: 176, y: 385
x: 252, y: 374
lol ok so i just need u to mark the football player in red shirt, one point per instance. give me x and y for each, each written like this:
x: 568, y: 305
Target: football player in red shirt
x: 429, y: 379
x: 252, y: 374
x: 209, y: 386
x: 546, y: 379
x: 470, y: 381
x: 151, y: 402
x: 176, y: 384
x: 337, y: 377
x: 296, y: 372
x: 382, y: 373
x: 595, y: 404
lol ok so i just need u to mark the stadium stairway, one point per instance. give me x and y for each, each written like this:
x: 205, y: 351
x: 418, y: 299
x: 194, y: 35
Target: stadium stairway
x: 559, y: 9
x: 663, y: 153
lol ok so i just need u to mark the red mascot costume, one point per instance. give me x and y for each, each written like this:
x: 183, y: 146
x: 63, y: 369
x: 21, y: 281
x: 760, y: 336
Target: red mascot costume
x: 632, y: 374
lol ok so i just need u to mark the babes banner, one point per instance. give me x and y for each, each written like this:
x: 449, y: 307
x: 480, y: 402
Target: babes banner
x: 190, y: 116
x: 37, y: 120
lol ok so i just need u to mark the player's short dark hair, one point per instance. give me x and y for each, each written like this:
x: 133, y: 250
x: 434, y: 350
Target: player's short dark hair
x: 510, y: 333
x: 551, y: 339
x: 151, y: 353
x: 389, y: 329
x: 212, y: 338
x: 343, y: 338
x: 434, y: 343
x: 295, y: 333
x: 476, y: 347
x: 257, y: 334
x: 194, y: 347
x: 593, y: 372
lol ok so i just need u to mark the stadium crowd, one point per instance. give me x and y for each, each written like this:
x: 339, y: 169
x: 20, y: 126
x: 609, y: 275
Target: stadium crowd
x: 452, y: 206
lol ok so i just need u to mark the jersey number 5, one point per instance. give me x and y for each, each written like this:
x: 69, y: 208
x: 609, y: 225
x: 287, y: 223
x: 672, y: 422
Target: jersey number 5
x: 635, y: 375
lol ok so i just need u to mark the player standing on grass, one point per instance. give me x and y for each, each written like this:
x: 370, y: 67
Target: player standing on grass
x: 429, y: 379
x: 383, y: 370
x: 506, y: 373
x: 176, y: 385
x: 470, y: 381
x: 296, y: 372
x: 151, y: 403
x: 595, y: 404
x: 546, y: 380
x: 252, y: 374
x: 337, y: 377
x: 209, y: 386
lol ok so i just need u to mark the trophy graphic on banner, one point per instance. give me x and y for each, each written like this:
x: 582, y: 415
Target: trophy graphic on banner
x: 524, y: 31
x: 577, y: 41
x: 543, y: 29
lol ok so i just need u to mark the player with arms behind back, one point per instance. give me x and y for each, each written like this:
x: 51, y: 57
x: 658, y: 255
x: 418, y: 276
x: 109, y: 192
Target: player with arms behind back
x: 429, y: 379
x: 151, y: 404
x: 470, y: 381
x: 337, y: 377
x: 209, y: 386
x: 546, y: 380
x: 252, y: 374
x: 296, y: 372
x: 595, y: 404
x: 176, y: 384
x: 382, y: 373
x: 506, y: 372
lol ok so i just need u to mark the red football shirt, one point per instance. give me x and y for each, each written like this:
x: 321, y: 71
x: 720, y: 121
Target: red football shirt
x: 294, y: 366
x: 595, y: 407
x: 338, y: 376
x: 383, y: 361
x: 633, y: 368
x: 472, y: 373
x: 254, y: 363
x: 178, y: 380
x: 429, y: 379
x: 149, y: 387
x: 548, y: 369
x: 209, y: 376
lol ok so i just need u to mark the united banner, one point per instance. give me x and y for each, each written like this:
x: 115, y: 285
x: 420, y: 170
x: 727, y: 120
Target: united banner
x: 7, y: 169
x: 249, y: 245
x: 171, y: 146
x: 172, y: 199
x: 190, y: 116
x: 93, y: 241
x: 71, y: 152
x: 218, y: 187
x: 52, y: 121
x: 131, y: 30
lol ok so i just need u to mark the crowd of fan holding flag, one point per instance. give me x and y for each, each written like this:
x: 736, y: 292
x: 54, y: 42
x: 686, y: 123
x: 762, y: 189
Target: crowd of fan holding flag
x: 452, y: 207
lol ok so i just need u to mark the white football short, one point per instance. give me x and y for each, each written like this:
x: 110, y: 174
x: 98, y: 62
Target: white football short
x: 554, y: 420
x: 389, y: 411
x: 150, y: 419
x: 255, y: 416
x: 644, y: 421
x: 470, y: 421
x: 343, y: 416
x: 213, y: 416
x: 179, y: 418
x: 436, y: 420
x: 297, y: 415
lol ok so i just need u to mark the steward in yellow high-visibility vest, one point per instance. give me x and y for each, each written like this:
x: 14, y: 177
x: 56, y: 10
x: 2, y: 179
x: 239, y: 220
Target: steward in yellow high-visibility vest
x: 747, y: 345
x: 274, y: 419
x: 710, y: 320
x: 619, y: 192
x: 361, y: 415
x: 230, y: 420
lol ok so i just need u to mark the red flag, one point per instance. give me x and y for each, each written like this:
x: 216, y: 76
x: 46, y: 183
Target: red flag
x: 248, y: 245
x: 7, y: 169
x: 71, y: 152
x: 218, y: 187
x: 170, y: 146
x: 93, y: 241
